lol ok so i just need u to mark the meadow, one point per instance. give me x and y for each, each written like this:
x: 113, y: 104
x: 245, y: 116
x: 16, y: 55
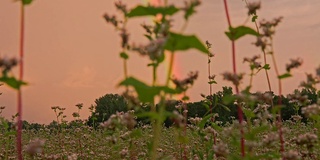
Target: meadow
x: 146, y: 122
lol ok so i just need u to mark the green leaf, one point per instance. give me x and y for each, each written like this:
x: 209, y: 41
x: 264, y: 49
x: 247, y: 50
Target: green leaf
x: 266, y: 67
x: 12, y: 82
x: 180, y: 42
x: 205, y: 120
x: 254, y: 18
x: 249, y: 113
x: 124, y: 55
x: 189, y: 12
x: 228, y: 99
x: 185, y: 98
x: 252, y: 135
x: 148, y: 36
x: 224, y: 107
x: 238, y: 32
x: 286, y: 75
x: 147, y: 93
x: 152, y: 11
x: 211, y: 82
x: 26, y: 2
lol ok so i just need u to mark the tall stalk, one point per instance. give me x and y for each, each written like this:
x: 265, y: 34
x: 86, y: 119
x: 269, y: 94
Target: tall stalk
x: 280, y: 96
x: 19, y: 100
x: 264, y: 58
x: 240, y: 113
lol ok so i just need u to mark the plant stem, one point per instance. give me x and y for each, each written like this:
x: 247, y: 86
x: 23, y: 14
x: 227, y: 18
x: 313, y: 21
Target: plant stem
x: 154, y: 73
x: 240, y: 113
x: 170, y: 68
x: 157, y: 125
x: 251, y: 78
x: 125, y: 70
x: 19, y: 119
x: 264, y: 59
x: 280, y: 96
x: 185, y: 115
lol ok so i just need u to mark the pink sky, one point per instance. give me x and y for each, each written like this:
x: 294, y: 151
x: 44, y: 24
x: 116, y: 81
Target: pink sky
x: 71, y: 54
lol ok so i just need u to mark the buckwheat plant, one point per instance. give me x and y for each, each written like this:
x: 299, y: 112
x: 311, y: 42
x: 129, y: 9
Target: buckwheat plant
x: 162, y: 39
x: 234, y: 33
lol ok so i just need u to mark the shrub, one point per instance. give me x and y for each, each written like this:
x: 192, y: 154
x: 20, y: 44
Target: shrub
x: 105, y: 106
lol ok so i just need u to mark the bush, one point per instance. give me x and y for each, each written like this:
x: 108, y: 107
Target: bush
x: 105, y: 106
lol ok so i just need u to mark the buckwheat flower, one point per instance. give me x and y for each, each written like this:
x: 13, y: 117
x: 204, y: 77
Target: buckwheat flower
x: 208, y: 44
x: 79, y: 105
x: 124, y: 38
x: 160, y: 150
x: 91, y: 108
x: 294, y: 63
x: 178, y: 119
x: 112, y: 140
x: 7, y: 63
x: 253, y: 7
x: 276, y: 21
x: 261, y: 42
x: 122, y: 7
x: 251, y: 145
x: 291, y: 155
x: 212, y: 77
x: 261, y: 108
x: 154, y: 49
x: 75, y: 114
x: 253, y: 62
x: 270, y: 139
x: 128, y: 120
x: 296, y: 118
x: 308, y: 139
x: 124, y: 152
x: 221, y: 150
x: 311, y: 110
x: 184, y: 84
x: 111, y: 19
x: 234, y: 78
x: 73, y: 156
x: 211, y: 130
x: 195, y: 157
x: 148, y: 28
x: 195, y: 120
x: 35, y: 146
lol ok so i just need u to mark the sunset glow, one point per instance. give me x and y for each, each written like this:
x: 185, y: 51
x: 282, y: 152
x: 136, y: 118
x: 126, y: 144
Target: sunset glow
x: 71, y: 54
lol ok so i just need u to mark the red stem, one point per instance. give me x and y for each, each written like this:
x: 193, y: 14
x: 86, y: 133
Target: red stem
x: 19, y: 120
x: 240, y: 113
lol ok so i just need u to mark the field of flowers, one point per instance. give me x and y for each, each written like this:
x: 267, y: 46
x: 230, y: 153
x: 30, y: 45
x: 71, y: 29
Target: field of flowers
x: 146, y: 123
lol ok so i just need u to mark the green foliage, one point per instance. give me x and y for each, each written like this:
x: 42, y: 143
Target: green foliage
x: 145, y: 92
x: 26, y: 2
x: 238, y: 32
x: 124, y: 55
x: 12, y: 82
x: 266, y: 67
x: 151, y: 11
x: 285, y: 75
x: 107, y: 105
x: 180, y: 42
x: 254, y: 18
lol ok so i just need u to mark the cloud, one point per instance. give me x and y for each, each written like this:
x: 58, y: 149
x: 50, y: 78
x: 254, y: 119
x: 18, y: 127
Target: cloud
x: 83, y: 78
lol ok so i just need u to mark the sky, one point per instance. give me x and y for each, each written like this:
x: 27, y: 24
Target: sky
x: 72, y: 55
